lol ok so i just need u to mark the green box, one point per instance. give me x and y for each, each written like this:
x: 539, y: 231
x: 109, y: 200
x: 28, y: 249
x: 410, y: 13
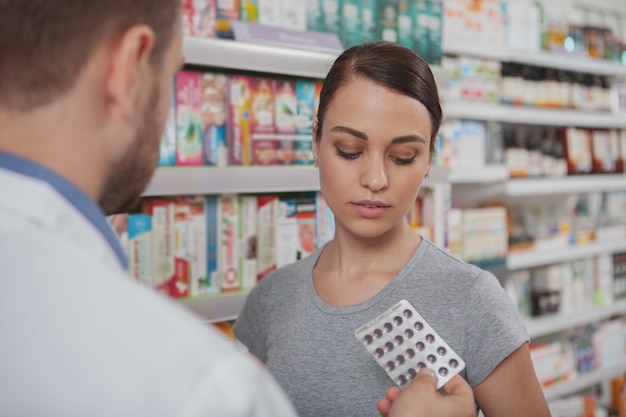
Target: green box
x: 331, y: 16
x: 369, y: 20
x: 351, y: 24
x: 405, y: 24
x: 388, y: 20
x: 421, y: 25
x: 435, y: 12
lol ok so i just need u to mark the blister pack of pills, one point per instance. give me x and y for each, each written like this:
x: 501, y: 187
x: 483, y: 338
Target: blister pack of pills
x: 403, y: 344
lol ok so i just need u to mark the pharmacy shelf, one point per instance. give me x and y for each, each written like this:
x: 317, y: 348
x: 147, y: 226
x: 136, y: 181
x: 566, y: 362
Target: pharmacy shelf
x: 532, y: 116
x: 526, y: 187
x: 250, y: 179
x: 485, y: 175
x: 549, y: 324
x: 225, y: 180
x: 583, y: 382
x: 220, y: 307
x: 563, y: 61
x: 234, y: 55
x: 531, y: 259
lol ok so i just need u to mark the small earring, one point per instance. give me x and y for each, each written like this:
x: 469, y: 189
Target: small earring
x: 315, y: 164
x: 427, y: 175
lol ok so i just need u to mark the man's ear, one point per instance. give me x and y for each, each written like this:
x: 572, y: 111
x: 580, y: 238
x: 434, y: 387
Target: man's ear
x: 129, y: 68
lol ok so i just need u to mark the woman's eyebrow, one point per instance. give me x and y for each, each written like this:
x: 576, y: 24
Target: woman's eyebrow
x: 363, y: 136
x: 350, y: 131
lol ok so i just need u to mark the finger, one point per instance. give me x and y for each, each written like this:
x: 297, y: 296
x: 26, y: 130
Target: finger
x: 392, y: 393
x: 457, y: 386
x: 426, y: 379
x: 383, y: 405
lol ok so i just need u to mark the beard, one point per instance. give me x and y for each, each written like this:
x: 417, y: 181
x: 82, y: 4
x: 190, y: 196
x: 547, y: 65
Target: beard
x: 130, y: 174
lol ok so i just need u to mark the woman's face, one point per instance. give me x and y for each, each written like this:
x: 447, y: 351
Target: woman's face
x: 373, y: 154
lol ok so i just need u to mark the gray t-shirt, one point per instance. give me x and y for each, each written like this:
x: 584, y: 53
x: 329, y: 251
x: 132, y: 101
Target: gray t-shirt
x: 310, y: 346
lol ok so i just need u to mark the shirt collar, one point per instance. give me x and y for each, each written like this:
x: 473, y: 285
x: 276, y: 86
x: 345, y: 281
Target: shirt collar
x: 83, y: 203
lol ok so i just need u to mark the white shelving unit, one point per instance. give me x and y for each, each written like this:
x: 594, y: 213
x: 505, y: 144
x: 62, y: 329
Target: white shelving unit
x: 582, y: 382
x: 544, y: 326
x: 223, y: 180
x: 220, y: 307
x: 532, y: 258
x: 219, y: 53
x: 563, y: 61
x: 532, y: 116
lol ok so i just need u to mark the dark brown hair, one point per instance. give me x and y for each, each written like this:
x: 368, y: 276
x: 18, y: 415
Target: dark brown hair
x: 44, y: 44
x: 389, y: 65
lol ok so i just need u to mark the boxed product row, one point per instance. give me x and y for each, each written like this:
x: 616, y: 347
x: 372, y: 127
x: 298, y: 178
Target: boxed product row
x: 478, y: 235
x: 483, y: 80
x: 219, y: 119
x: 570, y: 287
x: 572, y: 220
x: 535, y: 151
x: 188, y: 247
x: 592, y: 406
x: 534, y: 25
x: 416, y: 24
x: 193, y: 246
x: 531, y: 151
x: 592, y: 348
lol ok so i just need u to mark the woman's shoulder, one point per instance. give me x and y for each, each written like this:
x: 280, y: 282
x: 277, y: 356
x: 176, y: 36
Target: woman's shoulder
x: 294, y: 273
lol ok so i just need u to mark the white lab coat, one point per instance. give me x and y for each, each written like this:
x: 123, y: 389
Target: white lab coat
x: 78, y: 337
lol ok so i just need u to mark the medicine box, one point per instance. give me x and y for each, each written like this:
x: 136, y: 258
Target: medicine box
x: 188, y: 118
x: 238, y: 143
x: 214, y: 117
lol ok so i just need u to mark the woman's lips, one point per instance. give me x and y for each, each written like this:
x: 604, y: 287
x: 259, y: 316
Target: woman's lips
x: 370, y: 209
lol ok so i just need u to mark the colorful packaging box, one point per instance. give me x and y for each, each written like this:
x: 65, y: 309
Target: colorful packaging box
x: 214, y: 116
x: 286, y: 108
x: 213, y: 282
x: 293, y: 14
x: 167, y: 149
x: 305, y: 95
x: 405, y: 24
x: 197, y: 244
x: 248, y: 11
x: 351, y: 24
x: 314, y: 22
x: 140, y: 247
x: 188, y: 118
x: 228, y: 244
x: 331, y: 16
x: 248, y: 240
x: 269, y: 12
x: 262, y: 131
x: 228, y: 9
x: 199, y: 18
x: 163, y: 259
x: 239, y: 102
x: 267, y: 212
x: 307, y: 230
x: 286, y: 232
x: 435, y: 13
x: 388, y: 20
x: 421, y: 28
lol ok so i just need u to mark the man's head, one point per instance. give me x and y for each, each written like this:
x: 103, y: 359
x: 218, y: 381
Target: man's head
x: 102, y: 66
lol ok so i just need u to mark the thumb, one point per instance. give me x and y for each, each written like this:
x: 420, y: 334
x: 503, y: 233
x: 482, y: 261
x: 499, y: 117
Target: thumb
x: 426, y: 379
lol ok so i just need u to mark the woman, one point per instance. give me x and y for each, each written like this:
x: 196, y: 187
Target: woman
x: 373, y: 142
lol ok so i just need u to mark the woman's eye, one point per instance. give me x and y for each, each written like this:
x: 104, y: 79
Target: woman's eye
x: 347, y: 155
x: 403, y: 161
